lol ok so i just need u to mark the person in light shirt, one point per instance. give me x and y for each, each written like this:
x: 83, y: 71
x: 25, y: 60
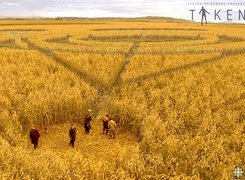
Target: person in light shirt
x: 112, y: 128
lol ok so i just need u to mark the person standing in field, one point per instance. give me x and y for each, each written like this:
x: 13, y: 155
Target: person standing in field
x: 112, y: 128
x: 72, y: 134
x: 105, y: 121
x: 203, y: 14
x: 34, y: 136
x: 88, y: 118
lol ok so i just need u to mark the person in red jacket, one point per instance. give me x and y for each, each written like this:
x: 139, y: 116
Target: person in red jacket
x: 34, y: 136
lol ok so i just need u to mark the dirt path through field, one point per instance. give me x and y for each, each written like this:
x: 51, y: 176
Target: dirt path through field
x: 94, y: 146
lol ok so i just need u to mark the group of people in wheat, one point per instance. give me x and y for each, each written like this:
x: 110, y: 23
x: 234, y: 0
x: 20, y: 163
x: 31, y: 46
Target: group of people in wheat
x: 109, y: 127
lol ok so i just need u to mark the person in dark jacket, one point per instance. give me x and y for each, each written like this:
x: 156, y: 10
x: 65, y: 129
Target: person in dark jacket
x: 34, y: 136
x: 87, y: 125
x: 105, y: 124
x: 72, y: 134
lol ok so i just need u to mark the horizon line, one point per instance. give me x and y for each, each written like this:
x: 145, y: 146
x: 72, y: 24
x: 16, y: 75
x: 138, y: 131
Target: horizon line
x: 112, y: 17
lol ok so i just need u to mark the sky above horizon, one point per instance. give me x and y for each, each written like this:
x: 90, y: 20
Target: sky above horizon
x: 117, y: 8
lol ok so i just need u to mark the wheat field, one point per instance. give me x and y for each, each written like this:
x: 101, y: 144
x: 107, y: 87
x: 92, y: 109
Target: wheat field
x: 175, y: 89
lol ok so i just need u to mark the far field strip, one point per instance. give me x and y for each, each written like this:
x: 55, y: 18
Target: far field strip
x: 205, y: 47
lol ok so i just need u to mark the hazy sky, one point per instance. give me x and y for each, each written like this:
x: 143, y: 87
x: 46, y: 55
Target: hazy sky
x: 112, y: 8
